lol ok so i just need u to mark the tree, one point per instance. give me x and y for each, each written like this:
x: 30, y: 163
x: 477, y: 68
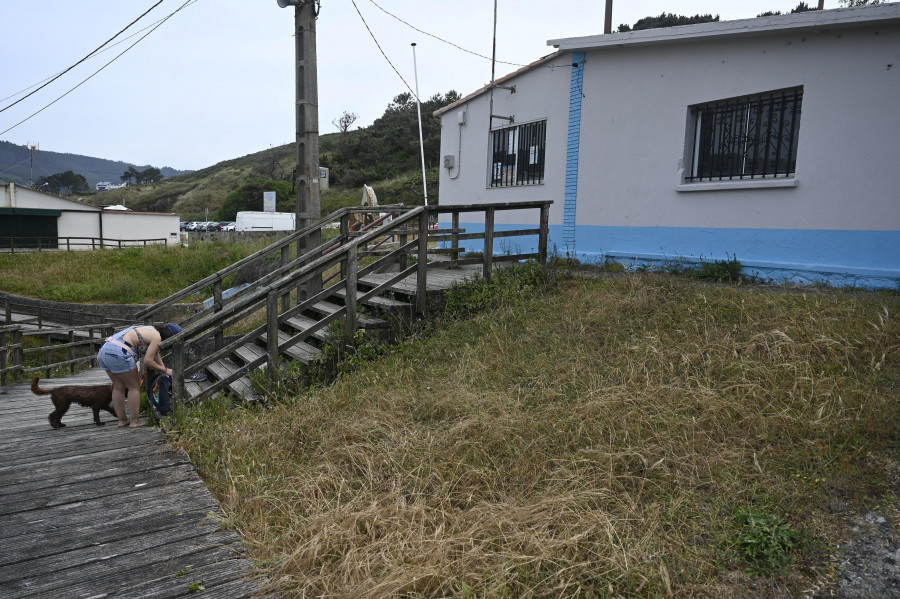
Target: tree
x: 849, y: 3
x: 65, y: 183
x: 136, y: 177
x: 667, y: 20
x: 345, y: 121
x: 802, y: 7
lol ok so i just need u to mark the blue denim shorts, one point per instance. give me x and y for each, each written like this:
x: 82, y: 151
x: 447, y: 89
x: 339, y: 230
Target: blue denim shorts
x: 115, y: 359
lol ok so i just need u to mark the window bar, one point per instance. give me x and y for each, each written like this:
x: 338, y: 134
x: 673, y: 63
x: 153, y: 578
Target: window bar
x: 794, y: 129
x: 698, y: 127
x: 760, y: 107
x: 780, y: 135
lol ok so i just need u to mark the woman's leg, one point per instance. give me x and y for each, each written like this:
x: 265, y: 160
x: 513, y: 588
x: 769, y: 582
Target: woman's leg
x: 131, y: 382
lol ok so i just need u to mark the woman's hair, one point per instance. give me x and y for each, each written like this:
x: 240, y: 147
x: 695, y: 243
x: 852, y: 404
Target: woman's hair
x: 167, y: 330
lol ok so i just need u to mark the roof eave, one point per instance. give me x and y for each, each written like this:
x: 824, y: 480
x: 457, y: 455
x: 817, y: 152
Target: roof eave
x: 811, y: 20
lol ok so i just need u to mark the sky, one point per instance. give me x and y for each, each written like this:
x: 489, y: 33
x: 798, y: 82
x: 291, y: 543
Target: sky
x: 215, y: 81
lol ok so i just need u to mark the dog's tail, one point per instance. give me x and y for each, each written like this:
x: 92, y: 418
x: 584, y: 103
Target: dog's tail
x: 37, y: 390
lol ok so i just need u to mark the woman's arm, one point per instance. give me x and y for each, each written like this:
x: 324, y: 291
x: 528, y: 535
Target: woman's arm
x: 152, y: 357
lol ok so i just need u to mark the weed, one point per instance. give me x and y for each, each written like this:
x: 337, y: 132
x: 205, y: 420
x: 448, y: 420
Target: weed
x: 765, y: 543
x: 720, y: 271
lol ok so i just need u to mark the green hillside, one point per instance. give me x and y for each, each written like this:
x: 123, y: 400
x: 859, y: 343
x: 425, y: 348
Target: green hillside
x: 16, y: 166
x: 384, y: 155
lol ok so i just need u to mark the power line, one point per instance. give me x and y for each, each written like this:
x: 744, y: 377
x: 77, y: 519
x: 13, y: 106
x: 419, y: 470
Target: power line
x: 515, y: 64
x: 83, y: 59
x: 379, y: 48
x: 187, y: 3
x: 93, y: 55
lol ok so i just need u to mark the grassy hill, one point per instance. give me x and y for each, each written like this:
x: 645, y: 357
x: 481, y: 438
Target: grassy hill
x: 15, y: 165
x: 384, y: 155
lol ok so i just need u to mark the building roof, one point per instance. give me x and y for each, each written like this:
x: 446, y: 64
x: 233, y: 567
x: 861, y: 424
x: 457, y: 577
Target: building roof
x: 811, y: 21
x: 497, y: 82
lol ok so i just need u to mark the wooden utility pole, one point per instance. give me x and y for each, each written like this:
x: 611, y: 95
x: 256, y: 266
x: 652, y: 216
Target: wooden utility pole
x: 607, y: 25
x: 307, y: 119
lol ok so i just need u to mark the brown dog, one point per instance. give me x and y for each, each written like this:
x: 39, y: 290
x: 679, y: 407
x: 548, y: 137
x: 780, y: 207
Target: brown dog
x: 95, y: 397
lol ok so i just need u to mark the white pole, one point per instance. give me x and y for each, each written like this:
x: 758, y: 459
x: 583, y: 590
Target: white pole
x: 421, y: 142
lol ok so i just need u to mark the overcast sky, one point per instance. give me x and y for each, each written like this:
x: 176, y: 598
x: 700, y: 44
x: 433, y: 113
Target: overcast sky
x: 215, y: 81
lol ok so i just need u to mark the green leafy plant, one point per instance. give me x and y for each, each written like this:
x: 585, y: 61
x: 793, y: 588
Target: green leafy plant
x: 765, y: 542
x: 196, y: 587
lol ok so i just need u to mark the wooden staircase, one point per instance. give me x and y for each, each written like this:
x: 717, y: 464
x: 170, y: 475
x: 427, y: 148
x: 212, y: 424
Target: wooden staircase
x: 374, y: 281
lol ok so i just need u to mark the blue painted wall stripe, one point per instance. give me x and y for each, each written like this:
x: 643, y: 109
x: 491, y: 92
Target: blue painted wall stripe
x: 576, y: 84
x: 867, y: 259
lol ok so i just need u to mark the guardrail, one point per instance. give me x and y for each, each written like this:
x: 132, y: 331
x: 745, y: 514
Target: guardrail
x: 40, y: 244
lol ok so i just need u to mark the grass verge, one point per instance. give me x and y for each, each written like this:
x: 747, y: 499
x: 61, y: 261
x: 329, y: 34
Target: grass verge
x: 638, y: 436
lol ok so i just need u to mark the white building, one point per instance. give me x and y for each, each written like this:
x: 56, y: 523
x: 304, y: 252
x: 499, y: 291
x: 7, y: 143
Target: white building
x: 27, y: 215
x: 771, y: 140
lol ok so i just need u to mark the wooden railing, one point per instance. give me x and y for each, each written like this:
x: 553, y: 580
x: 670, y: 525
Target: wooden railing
x: 84, y: 340
x: 398, y: 243
x: 39, y: 244
x: 294, y: 286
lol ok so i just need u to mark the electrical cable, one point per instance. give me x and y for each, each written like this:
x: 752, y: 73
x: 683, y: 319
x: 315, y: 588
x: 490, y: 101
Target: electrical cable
x: 93, y: 55
x: 382, y: 53
x: 187, y: 3
x: 85, y: 58
x: 514, y: 64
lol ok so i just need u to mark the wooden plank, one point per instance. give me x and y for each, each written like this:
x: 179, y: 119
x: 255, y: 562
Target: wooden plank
x: 242, y: 387
x: 89, y: 511
x: 300, y: 351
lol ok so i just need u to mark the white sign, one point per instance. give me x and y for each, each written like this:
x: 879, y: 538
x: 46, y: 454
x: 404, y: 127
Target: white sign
x: 268, y: 201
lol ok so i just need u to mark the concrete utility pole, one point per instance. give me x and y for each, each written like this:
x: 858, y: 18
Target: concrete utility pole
x: 307, y: 119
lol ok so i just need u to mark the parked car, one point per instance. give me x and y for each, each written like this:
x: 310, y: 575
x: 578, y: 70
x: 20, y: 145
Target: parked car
x: 192, y: 226
x: 182, y: 226
x: 226, y: 226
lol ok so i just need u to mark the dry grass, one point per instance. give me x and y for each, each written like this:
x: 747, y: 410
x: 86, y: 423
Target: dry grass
x: 592, y: 441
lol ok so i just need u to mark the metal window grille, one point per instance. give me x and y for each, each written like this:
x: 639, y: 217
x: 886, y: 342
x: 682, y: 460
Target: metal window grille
x: 747, y: 138
x: 517, y: 155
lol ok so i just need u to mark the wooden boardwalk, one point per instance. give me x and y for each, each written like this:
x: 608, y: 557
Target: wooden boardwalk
x: 89, y: 511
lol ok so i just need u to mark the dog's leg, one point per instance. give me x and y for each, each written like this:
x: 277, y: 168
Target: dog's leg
x: 62, y: 406
x: 97, y: 420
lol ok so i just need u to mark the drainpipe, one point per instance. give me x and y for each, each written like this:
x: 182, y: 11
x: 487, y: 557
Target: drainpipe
x: 821, y: 4
x: 607, y: 27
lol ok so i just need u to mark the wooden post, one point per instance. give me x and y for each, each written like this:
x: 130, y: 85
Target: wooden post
x: 454, y: 244
x: 217, y: 307
x: 272, y: 338
x: 285, y: 258
x: 488, y: 257
x: 47, y: 355
x: 178, y: 392
x: 351, y: 289
x: 72, y: 351
x: 4, y: 348
x: 17, y: 355
x: 422, y: 265
x: 545, y: 233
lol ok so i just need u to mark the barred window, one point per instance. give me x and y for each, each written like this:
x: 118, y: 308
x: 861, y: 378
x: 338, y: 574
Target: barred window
x: 517, y: 155
x: 754, y: 137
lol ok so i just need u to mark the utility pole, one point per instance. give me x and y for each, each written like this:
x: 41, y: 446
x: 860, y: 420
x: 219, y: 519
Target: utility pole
x: 307, y: 119
x: 32, y: 148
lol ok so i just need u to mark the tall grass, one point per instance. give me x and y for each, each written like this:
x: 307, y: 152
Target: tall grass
x: 627, y: 437
x: 123, y: 276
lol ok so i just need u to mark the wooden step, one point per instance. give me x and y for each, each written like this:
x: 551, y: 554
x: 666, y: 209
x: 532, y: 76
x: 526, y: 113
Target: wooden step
x: 365, y: 321
x: 302, y: 323
x: 241, y: 387
x: 382, y: 303
x: 300, y: 351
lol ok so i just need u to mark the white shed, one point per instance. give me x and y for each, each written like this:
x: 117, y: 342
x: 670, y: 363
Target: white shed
x: 30, y: 218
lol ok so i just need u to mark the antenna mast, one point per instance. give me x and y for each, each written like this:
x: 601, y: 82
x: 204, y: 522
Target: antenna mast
x: 32, y: 148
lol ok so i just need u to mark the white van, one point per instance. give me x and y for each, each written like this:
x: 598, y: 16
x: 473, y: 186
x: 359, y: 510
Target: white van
x: 265, y: 221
